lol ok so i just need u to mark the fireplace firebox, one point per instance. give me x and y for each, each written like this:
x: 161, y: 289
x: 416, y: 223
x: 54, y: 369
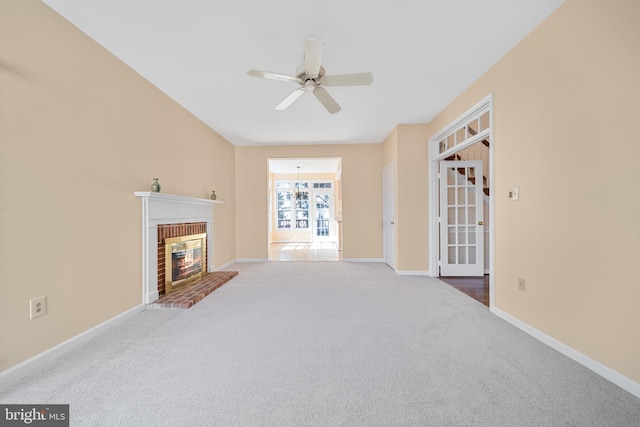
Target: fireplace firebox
x: 185, y: 260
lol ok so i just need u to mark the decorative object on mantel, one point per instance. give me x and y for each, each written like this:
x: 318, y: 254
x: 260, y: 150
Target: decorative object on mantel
x: 155, y: 186
x: 213, y: 196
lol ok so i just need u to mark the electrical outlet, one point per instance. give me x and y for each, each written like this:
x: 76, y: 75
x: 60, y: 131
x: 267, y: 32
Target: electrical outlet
x: 514, y: 194
x: 521, y: 285
x: 37, y: 307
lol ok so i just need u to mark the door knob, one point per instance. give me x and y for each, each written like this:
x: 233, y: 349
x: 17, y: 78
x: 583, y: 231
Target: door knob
x: 392, y: 222
x: 480, y: 223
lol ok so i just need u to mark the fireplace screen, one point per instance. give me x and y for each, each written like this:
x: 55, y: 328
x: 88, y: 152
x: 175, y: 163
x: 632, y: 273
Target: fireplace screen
x: 184, y: 260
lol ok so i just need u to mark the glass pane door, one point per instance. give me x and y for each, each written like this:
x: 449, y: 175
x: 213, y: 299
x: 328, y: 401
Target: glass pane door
x: 461, y: 218
x: 323, y: 224
x: 322, y: 215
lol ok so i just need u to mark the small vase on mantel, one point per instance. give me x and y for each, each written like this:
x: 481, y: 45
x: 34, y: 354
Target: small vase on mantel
x: 213, y: 196
x: 155, y: 186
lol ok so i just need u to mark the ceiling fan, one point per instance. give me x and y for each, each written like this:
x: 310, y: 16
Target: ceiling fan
x: 311, y: 77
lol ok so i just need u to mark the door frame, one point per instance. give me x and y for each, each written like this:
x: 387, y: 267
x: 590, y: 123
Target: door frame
x: 434, y: 203
x: 388, y: 216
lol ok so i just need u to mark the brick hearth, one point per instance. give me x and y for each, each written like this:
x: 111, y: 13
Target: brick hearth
x: 188, y: 296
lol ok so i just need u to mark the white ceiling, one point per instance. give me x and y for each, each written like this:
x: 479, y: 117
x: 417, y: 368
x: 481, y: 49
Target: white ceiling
x: 422, y: 53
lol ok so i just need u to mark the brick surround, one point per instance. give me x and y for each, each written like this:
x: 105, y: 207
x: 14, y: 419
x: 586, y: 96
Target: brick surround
x: 167, y: 231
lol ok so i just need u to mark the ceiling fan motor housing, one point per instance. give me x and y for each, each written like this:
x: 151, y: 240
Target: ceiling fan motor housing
x: 306, y: 80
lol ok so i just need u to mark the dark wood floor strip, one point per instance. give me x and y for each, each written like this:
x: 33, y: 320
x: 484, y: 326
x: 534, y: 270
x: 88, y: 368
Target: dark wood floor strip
x: 476, y: 287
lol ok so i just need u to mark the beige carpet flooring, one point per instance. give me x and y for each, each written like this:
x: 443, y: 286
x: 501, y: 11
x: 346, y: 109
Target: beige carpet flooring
x: 324, y: 344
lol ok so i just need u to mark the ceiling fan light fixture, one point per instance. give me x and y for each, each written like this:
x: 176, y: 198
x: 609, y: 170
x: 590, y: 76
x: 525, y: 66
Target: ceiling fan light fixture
x: 311, y: 77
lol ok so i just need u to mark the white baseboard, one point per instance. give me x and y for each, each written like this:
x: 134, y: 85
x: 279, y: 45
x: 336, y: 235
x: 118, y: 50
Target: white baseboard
x: 615, y: 377
x: 224, y: 266
x: 413, y: 272
x: 152, y: 296
x: 362, y: 260
x: 23, y: 368
x: 250, y: 260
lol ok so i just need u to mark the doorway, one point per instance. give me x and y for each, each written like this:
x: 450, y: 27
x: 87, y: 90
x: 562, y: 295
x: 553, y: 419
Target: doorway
x: 461, y: 242
x: 304, y: 209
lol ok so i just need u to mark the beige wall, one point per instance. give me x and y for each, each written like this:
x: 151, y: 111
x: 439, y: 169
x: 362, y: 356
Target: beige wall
x: 567, y: 100
x: 390, y: 149
x: 361, y: 196
x: 79, y: 133
x: 412, y: 182
x: 407, y: 148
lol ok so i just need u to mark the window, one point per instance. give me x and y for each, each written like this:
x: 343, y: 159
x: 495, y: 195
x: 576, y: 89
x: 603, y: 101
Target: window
x: 283, y: 194
x: 292, y: 205
x: 302, y: 208
x: 321, y: 185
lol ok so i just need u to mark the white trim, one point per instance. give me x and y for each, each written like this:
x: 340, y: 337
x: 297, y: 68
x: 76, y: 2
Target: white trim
x: 176, y: 198
x: 295, y: 241
x: 434, y: 154
x: 20, y: 370
x: 413, y: 272
x: 224, y: 266
x: 251, y: 260
x: 310, y: 242
x: 363, y: 260
x: 389, y: 203
x: 492, y: 207
x: 473, y: 111
x: 487, y: 230
x: 615, y: 377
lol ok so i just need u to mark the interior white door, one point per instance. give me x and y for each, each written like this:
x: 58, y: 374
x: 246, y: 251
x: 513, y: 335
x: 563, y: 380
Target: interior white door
x: 388, y: 216
x: 461, y: 218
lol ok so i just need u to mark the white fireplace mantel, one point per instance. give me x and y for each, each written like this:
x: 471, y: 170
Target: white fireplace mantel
x: 157, y: 209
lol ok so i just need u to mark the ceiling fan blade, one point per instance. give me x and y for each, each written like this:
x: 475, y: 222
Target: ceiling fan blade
x: 273, y: 76
x: 313, y: 50
x: 290, y: 99
x: 329, y: 103
x: 358, y: 79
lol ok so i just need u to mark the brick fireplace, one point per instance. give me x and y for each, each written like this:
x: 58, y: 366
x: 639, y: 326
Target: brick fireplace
x: 168, y: 231
x: 166, y: 216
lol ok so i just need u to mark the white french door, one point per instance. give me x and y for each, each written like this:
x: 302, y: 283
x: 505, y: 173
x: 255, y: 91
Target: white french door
x: 323, y: 220
x: 461, y: 218
x: 388, y: 212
